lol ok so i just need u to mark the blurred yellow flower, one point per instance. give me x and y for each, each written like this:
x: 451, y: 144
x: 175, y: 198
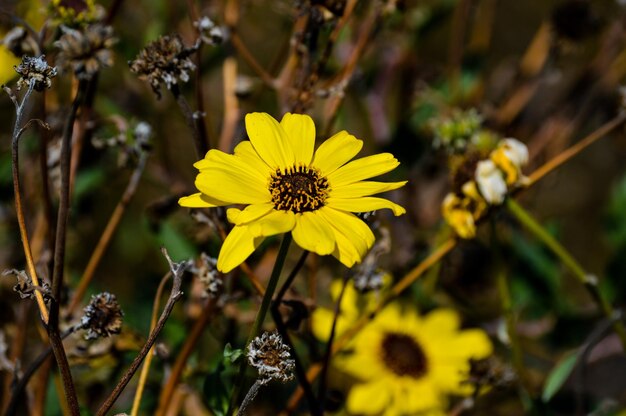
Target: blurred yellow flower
x: 408, y: 364
x: 288, y: 187
x: 510, y: 156
x: 7, y: 62
x: 354, y: 305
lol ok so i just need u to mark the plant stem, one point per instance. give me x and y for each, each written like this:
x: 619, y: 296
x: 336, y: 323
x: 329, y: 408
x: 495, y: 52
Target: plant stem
x: 260, y: 316
x: 199, y: 142
x: 15, y: 169
x: 254, y: 390
x: 588, y: 280
x: 284, y: 333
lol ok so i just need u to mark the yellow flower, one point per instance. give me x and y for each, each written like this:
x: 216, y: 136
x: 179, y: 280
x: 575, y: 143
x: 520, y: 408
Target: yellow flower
x: 288, y: 187
x: 409, y: 364
x: 8, y: 60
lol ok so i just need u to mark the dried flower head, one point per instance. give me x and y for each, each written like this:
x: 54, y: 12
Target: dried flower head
x: 208, y: 275
x: 86, y: 51
x: 35, y: 70
x: 25, y: 287
x: 210, y: 33
x: 368, y: 276
x: 102, y: 317
x: 166, y: 60
x: 271, y: 357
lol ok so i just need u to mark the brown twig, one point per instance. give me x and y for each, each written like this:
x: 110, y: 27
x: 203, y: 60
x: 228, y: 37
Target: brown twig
x: 200, y: 145
x: 177, y: 270
x: 59, y: 252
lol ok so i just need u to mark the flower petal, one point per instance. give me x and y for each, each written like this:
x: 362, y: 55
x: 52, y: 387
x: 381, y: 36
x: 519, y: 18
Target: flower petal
x: 363, y: 168
x: 276, y: 222
x: 364, y: 204
x: 301, y: 132
x: 269, y: 140
x: 368, y: 398
x: 364, y: 188
x: 237, y: 247
x: 313, y: 233
x: 355, y: 238
x: 199, y: 200
x: 250, y: 213
x: 245, y: 151
x: 226, y: 186
x: 236, y: 165
x: 336, y: 151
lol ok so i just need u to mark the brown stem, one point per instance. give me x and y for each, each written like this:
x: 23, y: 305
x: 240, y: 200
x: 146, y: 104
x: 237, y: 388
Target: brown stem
x: 19, y: 210
x: 175, y: 294
x: 59, y: 252
x: 200, y: 146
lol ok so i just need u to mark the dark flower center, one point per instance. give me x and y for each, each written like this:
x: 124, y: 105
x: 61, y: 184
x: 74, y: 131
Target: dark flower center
x: 298, y: 189
x: 403, y: 355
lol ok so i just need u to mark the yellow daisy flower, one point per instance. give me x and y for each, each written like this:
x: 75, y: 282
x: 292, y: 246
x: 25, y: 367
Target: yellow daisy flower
x: 408, y: 364
x: 288, y: 187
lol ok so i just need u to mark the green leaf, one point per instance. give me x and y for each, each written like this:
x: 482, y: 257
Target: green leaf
x: 558, y: 375
x: 231, y: 355
x: 215, y: 391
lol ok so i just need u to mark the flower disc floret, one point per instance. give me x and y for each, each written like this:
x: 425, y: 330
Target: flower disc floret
x: 298, y: 189
x: 287, y: 186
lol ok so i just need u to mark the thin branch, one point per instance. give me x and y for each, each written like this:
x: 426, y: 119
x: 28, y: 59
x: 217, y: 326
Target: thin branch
x: 177, y: 270
x: 19, y: 210
x: 190, y: 118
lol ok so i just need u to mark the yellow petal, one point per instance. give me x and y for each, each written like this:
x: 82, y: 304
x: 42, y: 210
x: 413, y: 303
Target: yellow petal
x: 336, y: 152
x: 276, y: 222
x: 235, y: 165
x: 364, y: 188
x: 245, y: 151
x: 345, y: 250
x: 441, y: 321
x: 269, y: 140
x: 200, y: 200
x: 301, y: 132
x: 363, y: 168
x: 250, y: 213
x: 237, y: 246
x: 313, y: 233
x: 364, y: 204
x: 225, y: 186
x: 368, y: 398
x: 357, y: 234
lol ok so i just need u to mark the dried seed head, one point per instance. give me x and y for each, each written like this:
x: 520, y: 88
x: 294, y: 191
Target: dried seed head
x: 271, y: 357
x: 35, y: 70
x: 166, y: 60
x: 86, y: 51
x: 102, y: 317
x: 210, y: 33
x: 208, y: 275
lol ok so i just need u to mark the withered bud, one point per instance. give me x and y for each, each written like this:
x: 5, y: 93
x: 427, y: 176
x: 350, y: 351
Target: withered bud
x: 210, y: 33
x: 271, y: 357
x: 166, y: 60
x: 102, y: 317
x: 86, y: 51
x: 25, y: 287
x: 35, y: 70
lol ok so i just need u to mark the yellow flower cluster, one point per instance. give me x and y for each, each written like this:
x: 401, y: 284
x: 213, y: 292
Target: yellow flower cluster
x: 494, y: 177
